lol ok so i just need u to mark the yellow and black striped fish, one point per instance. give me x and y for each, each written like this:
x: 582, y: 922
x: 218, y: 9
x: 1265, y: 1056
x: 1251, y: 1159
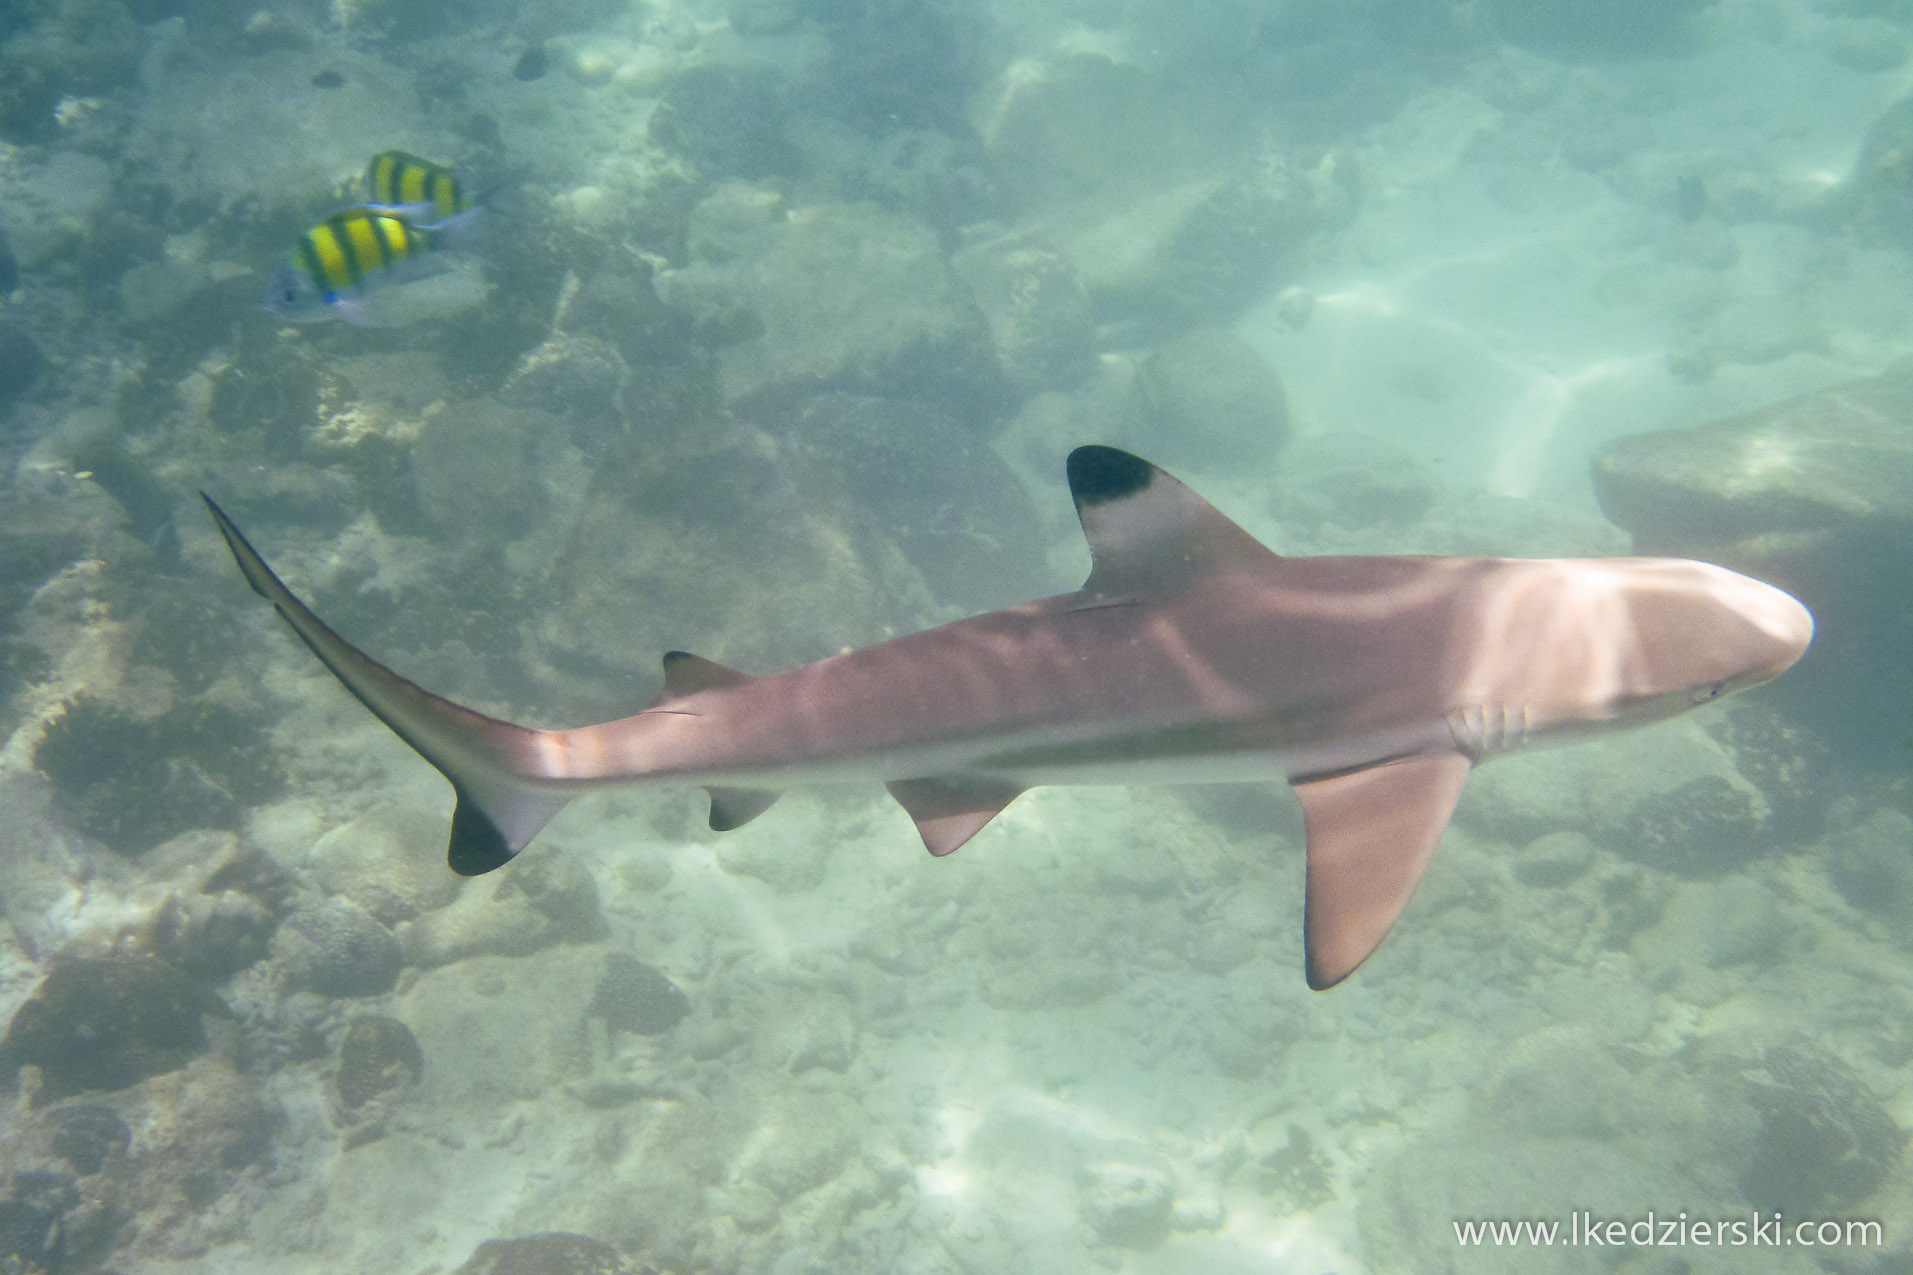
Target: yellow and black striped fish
x: 335, y: 266
x: 399, y: 184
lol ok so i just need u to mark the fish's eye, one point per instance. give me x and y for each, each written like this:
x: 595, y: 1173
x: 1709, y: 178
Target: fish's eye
x: 1710, y: 691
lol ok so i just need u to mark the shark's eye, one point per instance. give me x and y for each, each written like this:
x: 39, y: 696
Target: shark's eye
x: 1711, y: 691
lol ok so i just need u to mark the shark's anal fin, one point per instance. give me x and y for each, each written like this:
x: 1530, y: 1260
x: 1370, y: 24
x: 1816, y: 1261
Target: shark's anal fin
x: 949, y: 811
x: 734, y: 807
x: 1370, y: 834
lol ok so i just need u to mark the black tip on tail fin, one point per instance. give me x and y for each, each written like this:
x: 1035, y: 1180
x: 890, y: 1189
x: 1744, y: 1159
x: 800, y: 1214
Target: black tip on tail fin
x: 477, y: 846
x: 504, y: 791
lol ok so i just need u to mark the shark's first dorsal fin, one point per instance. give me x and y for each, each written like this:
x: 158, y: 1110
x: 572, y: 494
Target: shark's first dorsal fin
x: 1145, y: 528
x: 1370, y: 834
x: 687, y: 674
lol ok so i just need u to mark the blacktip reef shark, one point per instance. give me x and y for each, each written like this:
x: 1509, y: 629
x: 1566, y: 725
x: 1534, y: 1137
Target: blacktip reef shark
x: 1191, y: 654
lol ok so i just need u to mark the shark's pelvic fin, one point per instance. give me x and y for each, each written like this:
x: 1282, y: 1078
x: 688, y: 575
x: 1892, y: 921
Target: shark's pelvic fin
x: 491, y: 764
x: 1145, y: 529
x: 1370, y: 834
x: 950, y: 810
x: 734, y: 807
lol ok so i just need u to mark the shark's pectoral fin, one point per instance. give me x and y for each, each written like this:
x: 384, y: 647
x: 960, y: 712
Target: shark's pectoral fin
x: 950, y: 810
x: 1370, y: 834
x: 734, y: 807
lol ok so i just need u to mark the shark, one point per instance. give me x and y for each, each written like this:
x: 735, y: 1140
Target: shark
x: 1372, y: 684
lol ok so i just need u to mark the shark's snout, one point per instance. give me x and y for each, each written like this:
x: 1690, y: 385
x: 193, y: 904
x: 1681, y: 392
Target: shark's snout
x: 1782, y: 620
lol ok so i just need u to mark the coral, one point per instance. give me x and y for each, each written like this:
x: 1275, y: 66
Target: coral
x: 87, y: 1134
x: 103, y: 1023
x: 377, y: 1056
x: 636, y: 997
x: 1705, y: 827
x: 133, y: 783
x: 336, y: 948
x: 389, y: 861
x: 727, y: 121
x: 219, y: 902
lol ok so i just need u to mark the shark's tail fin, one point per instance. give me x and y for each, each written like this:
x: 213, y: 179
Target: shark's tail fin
x: 492, y: 764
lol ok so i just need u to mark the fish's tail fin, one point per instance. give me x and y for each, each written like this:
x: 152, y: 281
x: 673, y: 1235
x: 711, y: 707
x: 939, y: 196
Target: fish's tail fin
x: 463, y: 234
x: 492, y: 765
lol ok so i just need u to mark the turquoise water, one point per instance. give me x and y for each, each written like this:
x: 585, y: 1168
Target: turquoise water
x: 784, y: 316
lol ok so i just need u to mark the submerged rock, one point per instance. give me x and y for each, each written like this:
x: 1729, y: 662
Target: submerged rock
x: 728, y: 121
x: 542, y: 897
x: 20, y: 364
x: 1214, y: 399
x: 1814, y: 494
x: 852, y: 296
x: 31, y: 1238
x: 891, y: 471
x: 104, y: 1023
x: 548, y: 1253
x: 1127, y: 1205
x: 1587, y: 32
x: 1036, y: 306
x: 1871, y: 865
x: 1825, y: 1140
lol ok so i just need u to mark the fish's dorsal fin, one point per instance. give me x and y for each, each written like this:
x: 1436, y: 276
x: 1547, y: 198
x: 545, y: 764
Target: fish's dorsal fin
x: 949, y: 810
x: 687, y: 674
x: 1145, y: 528
x: 1371, y: 833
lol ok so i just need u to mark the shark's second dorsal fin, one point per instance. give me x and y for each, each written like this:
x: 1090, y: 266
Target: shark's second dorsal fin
x: 1370, y: 834
x: 1145, y: 528
x: 687, y: 674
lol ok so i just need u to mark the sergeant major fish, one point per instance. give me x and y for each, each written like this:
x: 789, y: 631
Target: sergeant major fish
x: 400, y: 184
x: 1193, y: 653
x: 350, y: 265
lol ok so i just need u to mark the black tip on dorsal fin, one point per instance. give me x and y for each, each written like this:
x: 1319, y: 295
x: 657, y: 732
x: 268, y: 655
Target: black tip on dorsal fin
x: 687, y: 674
x: 1098, y: 474
x: 1145, y: 529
